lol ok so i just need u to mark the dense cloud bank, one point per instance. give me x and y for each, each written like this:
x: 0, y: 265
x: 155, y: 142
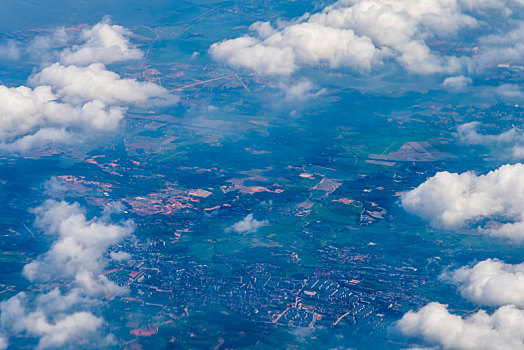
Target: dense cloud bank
x: 493, y: 203
x: 77, y: 260
x: 76, y: 96
x: 367, y: 34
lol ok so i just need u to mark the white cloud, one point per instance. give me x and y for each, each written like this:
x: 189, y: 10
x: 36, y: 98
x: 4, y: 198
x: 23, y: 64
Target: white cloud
x: 68, y: 103
x: 31, y: 117
x: 453, y: 201
x: 456, y: 83
x: 401, y: 28
x: 502, y: 330
x: 297, y: 45
x: 364, y: 34
x: 315, y: 44
x: 77, y: 254
x: 490, y: 282
x: 264, y: 29
x: 96, y: 83
x: 102, y: 43
x: 251, y: 53
x: 53, y: 330
x: 247, y: 225
x: 43, y: 47
x: 302, y: 90
x: 42, y: 137
x: 76, y: 260
x: 355, y: 34
x: 23, y: 109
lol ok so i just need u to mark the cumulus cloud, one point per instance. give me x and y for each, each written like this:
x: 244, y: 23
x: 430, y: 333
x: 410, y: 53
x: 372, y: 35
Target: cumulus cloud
x: 248, y: 52
x: 103, y: 43
x: 504, y: 329
x: 364, y: 34
x: 43, y: 47
x: 76, y: 260
x: 354, y: 34
x: 247, y: 225
x: 490, y: 282
x: 300, y: 44
x: 77, y: 253
x: 42, y: 137
x: 66, y: 103
x: 53, y: 331
x: 96, y: 83
x: 25, y: 111
x: 453, y: 201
